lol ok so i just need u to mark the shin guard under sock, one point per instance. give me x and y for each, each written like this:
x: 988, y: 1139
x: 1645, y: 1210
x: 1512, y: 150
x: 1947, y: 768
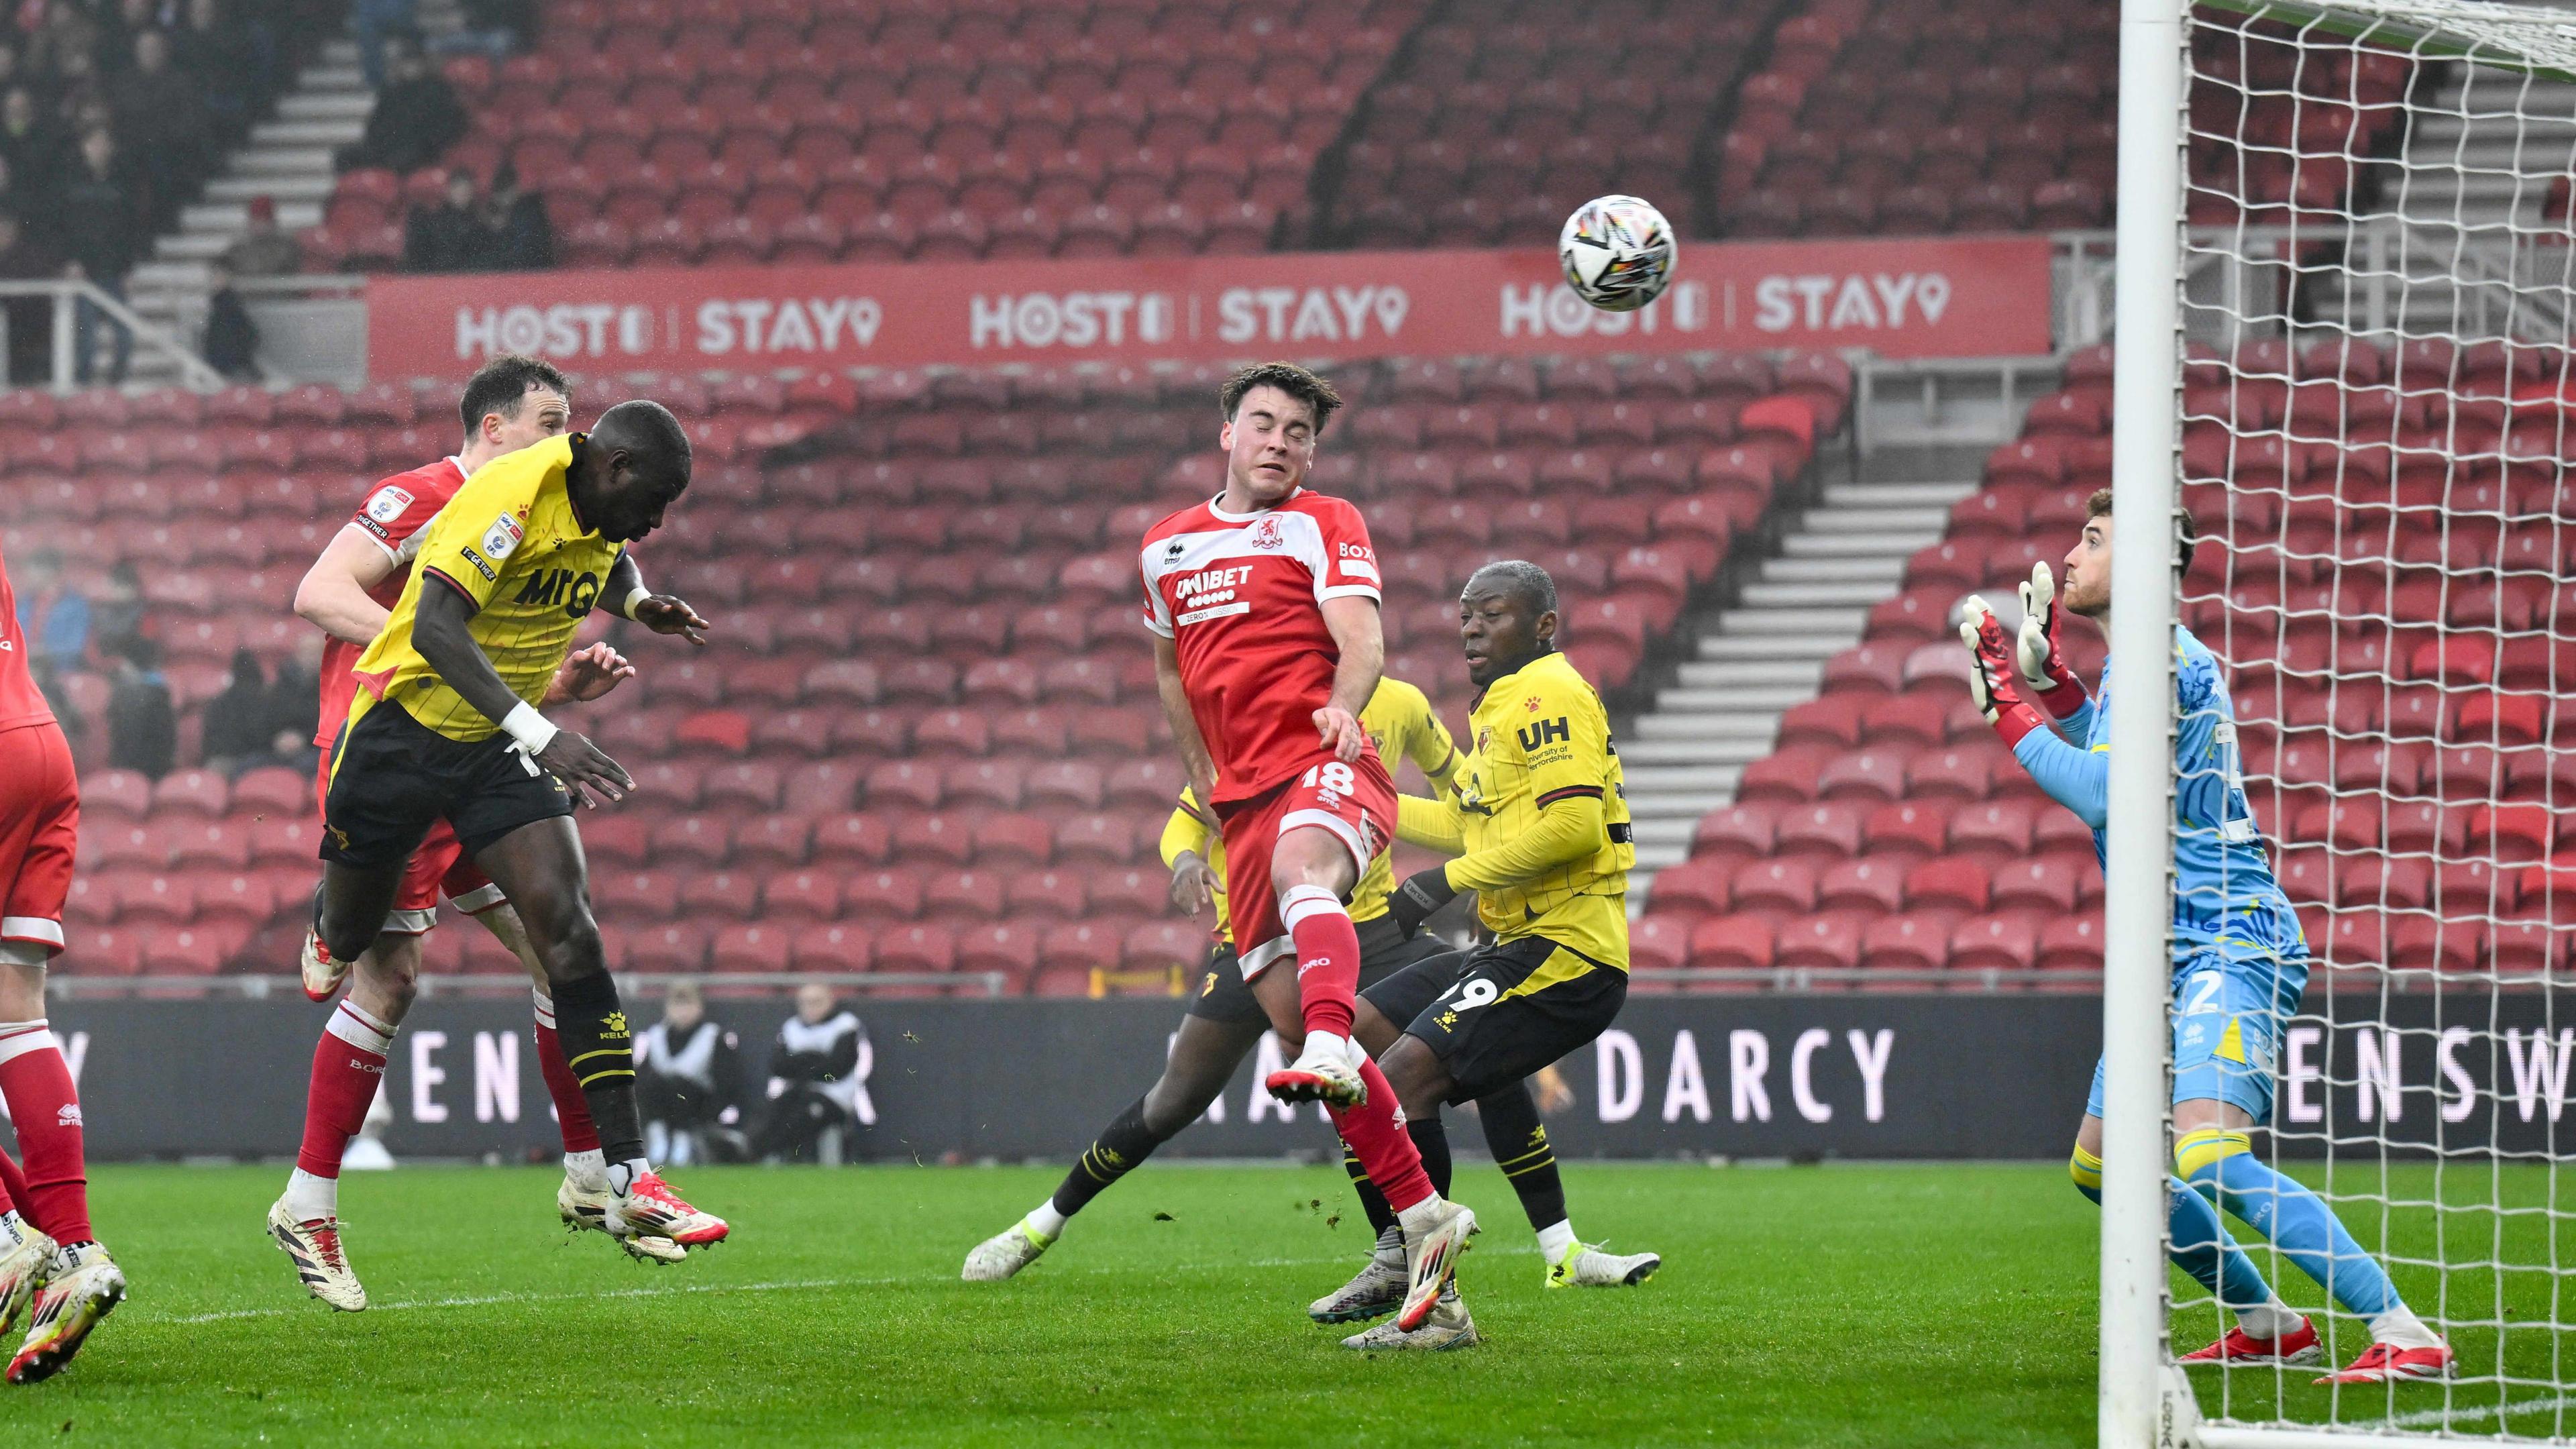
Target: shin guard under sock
x: 1122, y: 1146
x: 599, y: 1050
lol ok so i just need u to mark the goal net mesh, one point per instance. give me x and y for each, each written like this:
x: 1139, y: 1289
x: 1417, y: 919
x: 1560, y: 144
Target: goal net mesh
x: 2377, y: 408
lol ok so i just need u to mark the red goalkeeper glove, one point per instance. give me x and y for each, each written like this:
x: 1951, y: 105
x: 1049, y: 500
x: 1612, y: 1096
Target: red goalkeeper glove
x: 1990, y: 675
x: 2053, y: 686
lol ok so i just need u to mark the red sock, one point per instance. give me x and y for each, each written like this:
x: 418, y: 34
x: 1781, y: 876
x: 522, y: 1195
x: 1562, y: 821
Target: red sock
x: 1375, y: 1132
x: 572, y: 1109
x: 13, y: 1192
x: 348, y: 1068
x: 1328, y: 957
x: 46, y: 1111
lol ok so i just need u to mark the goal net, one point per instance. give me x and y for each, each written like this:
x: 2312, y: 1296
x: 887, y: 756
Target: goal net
x: 2367, y: 390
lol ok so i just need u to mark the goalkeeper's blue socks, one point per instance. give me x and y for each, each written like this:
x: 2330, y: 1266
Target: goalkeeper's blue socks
x: 2203, y: 1248
x: 2296, y: 1220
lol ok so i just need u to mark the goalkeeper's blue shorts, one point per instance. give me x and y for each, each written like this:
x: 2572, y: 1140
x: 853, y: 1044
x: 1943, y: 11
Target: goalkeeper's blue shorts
x: 2226, y: 1032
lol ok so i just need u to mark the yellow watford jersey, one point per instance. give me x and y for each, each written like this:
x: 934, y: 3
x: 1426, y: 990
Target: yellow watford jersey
x: 1405, y: 726
x: 511, y: 541
x: 1541, y: 741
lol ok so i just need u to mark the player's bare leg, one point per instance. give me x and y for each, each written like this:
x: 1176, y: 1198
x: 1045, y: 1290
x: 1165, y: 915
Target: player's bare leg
x: 81, y: 1284
x: 539, y: 868
x: 1203, y: 1057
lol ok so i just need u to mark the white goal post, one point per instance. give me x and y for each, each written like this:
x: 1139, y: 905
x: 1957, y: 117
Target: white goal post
x: 2342, y: 332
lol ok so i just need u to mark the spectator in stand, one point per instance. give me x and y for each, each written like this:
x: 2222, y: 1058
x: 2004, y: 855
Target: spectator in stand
x: 33, y: 145
x: 236, y: 720
x: 142, y: 727
x: 265, y: 249
x: 54, y: 616
x: 492, y: 27
x: 231, y: 343
x: 448, y: 237
x: 817, y: 1077
x: 116, y: 619
x: 30, y: 361
x: 384, y: 27
x: 518, y: 236
x: 102, y: 229
x: 417, y: 116
x: 294, y: 698
x: 228, y: 64
x: 161, y: 123
x: 688, y: 1075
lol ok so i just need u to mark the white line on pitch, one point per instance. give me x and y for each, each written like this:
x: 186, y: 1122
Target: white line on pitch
x: 481, y: 1300
x: 2422, y: 1417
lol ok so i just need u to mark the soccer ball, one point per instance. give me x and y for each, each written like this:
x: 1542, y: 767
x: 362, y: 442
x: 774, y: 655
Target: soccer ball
x: 1618, y: 253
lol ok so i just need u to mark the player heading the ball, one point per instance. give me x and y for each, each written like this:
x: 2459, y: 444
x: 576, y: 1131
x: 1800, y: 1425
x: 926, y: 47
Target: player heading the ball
x: 1263, y: 602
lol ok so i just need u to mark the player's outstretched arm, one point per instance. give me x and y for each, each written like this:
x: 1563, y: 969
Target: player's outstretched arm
x: 1195, y: 760
x: 1360, y: 638
x: 661, y: 613
x: 333, y: 593
x: 2059, y: 694
x: 2077, y: 779
x: 439, y: 633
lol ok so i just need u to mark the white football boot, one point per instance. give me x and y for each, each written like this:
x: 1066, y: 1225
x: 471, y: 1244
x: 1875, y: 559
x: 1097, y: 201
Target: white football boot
x: 321, y: 1260
x: 1005, y: 1253
x: 1323, y: 1072
x: 1377, y: 1288
x: 1431, y: 1261
x: 1586, y: 1265
x: 85, y: 1287
x: 588, y: 1208
x: 322, y: 975
x: 1449, y: 1326
x: 26, y: 1261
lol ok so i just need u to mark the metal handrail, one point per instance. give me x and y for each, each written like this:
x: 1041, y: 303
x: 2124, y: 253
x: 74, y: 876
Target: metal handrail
x: 65, y: 291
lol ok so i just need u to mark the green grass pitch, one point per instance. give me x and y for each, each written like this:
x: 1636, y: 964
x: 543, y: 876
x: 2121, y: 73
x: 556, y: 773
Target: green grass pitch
x: 1843, y: 1305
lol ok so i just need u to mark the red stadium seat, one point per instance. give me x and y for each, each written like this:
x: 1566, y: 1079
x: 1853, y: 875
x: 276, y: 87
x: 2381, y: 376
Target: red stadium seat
x: 2006, y: 943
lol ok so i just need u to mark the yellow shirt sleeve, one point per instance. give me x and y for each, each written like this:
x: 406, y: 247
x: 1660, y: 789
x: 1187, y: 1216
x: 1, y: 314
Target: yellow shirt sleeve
x: 472, y: 538
x: 1432, y: 824
x: 1184, y: 832
x: 1431, y: 749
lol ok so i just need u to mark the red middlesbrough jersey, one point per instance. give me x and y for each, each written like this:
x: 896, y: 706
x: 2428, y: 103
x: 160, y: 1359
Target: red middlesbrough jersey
x: 392, y: 518
x: 21, y: 704
x: 1241, y: 596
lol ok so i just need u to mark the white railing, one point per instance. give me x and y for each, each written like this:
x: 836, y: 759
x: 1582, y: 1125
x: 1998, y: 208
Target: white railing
x: 2510, y: 286
x: 70, y: 986
x: 66, y: 295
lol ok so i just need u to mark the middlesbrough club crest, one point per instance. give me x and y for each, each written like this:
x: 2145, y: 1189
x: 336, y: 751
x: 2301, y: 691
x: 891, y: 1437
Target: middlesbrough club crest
x: 1265, y: 534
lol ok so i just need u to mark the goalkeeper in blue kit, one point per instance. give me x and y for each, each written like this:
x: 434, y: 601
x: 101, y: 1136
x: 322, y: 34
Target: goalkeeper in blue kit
x: 2240, y: 964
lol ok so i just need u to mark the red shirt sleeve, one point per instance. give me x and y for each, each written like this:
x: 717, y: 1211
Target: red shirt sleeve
x: 1349, y: 563
x: 397, y: 509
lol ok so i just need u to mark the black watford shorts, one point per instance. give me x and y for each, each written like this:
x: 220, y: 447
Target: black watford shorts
x: 1497, y: 1013
x: 392, y: 777
x: 1224, y: 996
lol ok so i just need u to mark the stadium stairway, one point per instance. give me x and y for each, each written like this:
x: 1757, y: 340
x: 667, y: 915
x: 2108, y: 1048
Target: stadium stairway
x: 2486, y: 164
x: 1845, y: 554
x: 287, y: 159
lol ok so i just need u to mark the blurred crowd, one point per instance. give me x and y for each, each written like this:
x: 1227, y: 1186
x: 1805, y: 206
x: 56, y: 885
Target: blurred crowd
x: 99, y: 661
x: 418, y: 116
x: 112, y: 114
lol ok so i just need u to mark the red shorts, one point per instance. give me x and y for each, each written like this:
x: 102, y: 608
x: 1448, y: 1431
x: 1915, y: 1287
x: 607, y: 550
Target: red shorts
x: 439, y: 865
x: 39, y: 833
x: 1355, y: 802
